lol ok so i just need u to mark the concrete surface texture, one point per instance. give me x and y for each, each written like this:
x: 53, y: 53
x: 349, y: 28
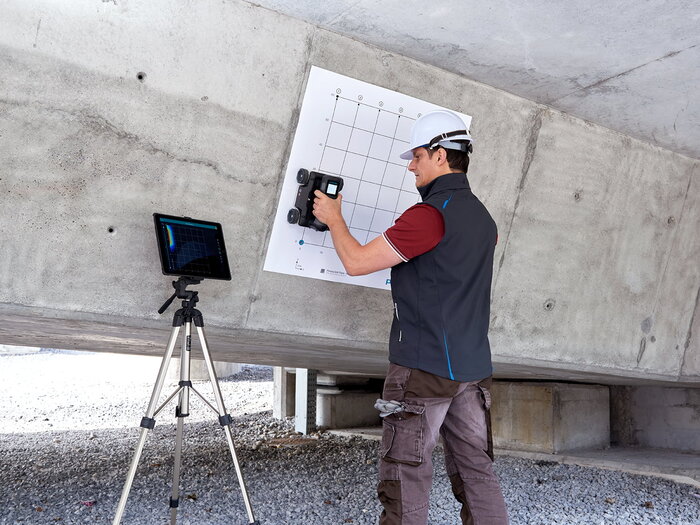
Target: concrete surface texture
x: 550, y: 417
x: 627, y: 65
x: 111, y: 111
x: 658, y: 417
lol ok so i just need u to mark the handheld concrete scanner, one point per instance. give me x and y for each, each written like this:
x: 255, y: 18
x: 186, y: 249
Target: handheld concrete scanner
x: 303, y: 211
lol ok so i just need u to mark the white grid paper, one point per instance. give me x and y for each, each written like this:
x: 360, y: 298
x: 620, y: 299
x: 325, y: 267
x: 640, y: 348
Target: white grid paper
x: 357, y: 131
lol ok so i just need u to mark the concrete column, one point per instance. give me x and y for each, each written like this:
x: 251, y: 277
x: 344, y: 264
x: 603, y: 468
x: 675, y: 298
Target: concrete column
x: 347, y: 401
x: 305, y: 407
x: 550, y: 417
x: 282, y: 393
x: 339, y: 408
x: 657, y: 417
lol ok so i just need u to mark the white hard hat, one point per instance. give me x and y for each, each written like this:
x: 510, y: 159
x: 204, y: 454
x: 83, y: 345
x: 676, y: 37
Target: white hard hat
x: 440, y: 127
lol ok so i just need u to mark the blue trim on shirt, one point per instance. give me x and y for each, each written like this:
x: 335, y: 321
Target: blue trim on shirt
x: 444, y: 204
x: 447, y: 354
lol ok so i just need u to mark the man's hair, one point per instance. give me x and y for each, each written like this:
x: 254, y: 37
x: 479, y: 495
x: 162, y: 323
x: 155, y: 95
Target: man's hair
x: 457, y: 160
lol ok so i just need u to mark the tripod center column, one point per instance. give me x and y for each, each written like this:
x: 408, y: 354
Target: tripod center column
x: 183, y: 409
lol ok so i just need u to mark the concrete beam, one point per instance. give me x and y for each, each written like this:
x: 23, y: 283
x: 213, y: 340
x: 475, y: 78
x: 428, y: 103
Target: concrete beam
x: 597, y: 273
x: 571, y: 57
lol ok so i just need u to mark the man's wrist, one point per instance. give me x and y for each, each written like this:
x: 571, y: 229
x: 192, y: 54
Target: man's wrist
x: 336, y: 223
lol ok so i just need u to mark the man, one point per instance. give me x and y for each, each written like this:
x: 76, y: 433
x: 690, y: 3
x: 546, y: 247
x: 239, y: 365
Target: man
x: 441, y: 257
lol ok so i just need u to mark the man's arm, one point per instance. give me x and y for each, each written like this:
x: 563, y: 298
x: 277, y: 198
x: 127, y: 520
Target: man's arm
x: 357, y: 259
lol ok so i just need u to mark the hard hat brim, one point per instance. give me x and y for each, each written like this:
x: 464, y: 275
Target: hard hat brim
x: 408, y: 154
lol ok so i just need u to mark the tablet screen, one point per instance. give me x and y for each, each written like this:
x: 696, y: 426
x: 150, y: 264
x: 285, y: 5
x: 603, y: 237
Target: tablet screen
x: 191, y: 247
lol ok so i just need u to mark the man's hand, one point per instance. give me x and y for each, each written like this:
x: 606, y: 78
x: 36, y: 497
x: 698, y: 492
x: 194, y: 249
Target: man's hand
x: 356, y: 258
x: 327, y: 210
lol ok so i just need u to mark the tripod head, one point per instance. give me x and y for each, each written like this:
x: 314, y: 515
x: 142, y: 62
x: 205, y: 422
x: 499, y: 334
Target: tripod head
x: 189, y: 297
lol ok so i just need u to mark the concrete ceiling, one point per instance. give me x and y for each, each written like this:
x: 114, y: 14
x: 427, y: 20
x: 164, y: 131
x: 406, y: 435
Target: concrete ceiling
x: 632, y: 66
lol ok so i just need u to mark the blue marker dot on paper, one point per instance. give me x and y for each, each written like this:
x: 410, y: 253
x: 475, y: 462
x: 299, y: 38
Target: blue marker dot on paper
x: 301, y: 242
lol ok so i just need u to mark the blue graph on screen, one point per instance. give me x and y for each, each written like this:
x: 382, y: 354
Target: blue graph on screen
x: 190, y: 249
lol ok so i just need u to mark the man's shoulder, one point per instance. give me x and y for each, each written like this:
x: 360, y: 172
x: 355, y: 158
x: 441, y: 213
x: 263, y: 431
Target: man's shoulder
x: 418, y: 230
x: 420, y: 217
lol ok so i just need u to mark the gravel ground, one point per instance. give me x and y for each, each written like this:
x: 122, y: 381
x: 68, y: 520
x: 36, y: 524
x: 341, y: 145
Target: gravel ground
x: 69, y: 424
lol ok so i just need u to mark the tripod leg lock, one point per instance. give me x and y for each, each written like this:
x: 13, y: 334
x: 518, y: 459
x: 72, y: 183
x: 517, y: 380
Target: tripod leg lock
x: 226, y: 419
x: 174, y: 503
x: 148, y: 422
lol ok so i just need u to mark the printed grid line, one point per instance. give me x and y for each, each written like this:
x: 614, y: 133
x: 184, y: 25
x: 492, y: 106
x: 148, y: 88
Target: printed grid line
x: 323, y: 239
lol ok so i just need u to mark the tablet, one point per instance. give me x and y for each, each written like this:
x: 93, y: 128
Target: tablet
x: 191, y: 247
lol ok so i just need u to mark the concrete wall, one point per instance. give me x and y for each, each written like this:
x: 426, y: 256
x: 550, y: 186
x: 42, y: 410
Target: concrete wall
x: 596, y: 272
x: 550, y: 417
x: 655, y: 417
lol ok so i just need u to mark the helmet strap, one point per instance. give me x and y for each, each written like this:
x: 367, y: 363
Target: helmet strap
x: 444, y: 136
x: 465, y: 147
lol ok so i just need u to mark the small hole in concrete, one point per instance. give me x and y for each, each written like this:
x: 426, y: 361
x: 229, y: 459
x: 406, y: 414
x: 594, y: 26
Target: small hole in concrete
x: 653, y: 339
x: 671, y: 221
x: 141, y: 76
x: 110, y: 229
x: 549, y: 304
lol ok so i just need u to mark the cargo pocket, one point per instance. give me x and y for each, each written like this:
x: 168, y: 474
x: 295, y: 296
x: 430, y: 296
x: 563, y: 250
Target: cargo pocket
x: 486, y: 397
x: 402, y: 440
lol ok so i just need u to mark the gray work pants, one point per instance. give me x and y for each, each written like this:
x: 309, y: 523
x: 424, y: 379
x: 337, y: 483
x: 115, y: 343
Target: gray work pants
x: 434, y: 407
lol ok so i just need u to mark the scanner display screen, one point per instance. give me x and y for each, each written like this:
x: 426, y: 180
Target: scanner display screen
x: 332, y: 188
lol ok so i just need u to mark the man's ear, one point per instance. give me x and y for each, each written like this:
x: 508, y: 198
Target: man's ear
x: 442, y: 157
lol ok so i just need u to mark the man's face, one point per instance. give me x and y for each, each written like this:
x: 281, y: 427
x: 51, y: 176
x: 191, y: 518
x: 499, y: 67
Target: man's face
x: 424, y: 167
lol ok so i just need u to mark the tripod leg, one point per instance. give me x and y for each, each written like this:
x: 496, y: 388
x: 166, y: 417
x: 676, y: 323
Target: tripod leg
x: 147, y: 423
x: 225, y: 420
x: 182, y: 411
x: 175, y: 494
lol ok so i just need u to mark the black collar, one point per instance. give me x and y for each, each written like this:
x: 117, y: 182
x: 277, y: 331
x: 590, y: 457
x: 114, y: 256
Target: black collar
x: 448, y: 181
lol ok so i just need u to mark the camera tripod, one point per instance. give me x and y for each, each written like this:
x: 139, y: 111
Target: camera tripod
x: 184, y: 316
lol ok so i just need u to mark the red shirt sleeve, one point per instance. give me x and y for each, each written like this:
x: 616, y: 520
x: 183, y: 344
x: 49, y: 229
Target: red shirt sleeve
x: 419, y: 229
